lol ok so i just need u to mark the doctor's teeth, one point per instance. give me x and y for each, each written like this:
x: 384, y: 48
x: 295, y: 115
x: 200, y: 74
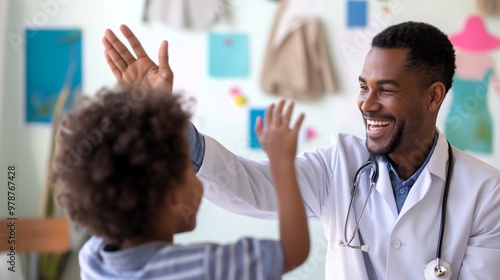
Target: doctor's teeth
x: 372, y: 122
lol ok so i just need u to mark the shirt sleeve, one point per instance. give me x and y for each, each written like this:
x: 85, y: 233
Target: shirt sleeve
x: 196, y: 143
x: 247, y: 259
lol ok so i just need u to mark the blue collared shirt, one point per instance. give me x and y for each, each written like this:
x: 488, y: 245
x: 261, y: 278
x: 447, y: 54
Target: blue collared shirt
x: 401, y: 188
x: 196, y: 143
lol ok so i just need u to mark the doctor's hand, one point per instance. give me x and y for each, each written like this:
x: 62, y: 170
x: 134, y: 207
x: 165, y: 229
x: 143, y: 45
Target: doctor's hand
x: 275, y: 135
x: 139, y: 70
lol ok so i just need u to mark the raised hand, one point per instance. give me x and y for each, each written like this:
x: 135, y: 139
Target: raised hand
x: 275, y: 135
x: 280, y: 143
x: 139, y: 70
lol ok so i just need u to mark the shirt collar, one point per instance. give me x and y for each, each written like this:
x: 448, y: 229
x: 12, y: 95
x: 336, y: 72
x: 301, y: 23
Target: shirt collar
x: 130, y: 259
x: 417, y: 173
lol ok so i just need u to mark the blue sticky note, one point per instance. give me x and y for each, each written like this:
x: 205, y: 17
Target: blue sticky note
x: 228, y: 55
x: 357, y: 13
x: 254, y: 140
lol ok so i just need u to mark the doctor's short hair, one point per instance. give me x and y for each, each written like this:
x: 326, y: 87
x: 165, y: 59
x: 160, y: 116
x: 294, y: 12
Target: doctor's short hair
x: 431, y: 53
x: 116, y: 157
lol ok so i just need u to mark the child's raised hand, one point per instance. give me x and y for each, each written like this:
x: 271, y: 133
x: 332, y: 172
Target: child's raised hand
x: 275, y: 135
x: 139, y: 70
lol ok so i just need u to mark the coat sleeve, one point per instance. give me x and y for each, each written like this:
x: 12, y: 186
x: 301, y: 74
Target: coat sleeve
x: 245, y: 187
x: 482, y: 255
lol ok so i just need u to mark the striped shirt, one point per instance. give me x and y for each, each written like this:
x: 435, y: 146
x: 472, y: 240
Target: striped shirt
x: 247, y: 259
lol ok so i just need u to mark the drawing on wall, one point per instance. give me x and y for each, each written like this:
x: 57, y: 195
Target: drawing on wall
x: 468, y: 123
x: 254, y: 113
x: 228, y: 55
x: 53, y: 60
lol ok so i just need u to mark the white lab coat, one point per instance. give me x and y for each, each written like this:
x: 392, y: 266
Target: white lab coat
x: 401, y: 245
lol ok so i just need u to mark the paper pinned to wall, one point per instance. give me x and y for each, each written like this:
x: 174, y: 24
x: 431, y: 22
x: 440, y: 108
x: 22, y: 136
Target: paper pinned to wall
x: 228, y: 55
x: 254, y: 113
x: 357, y: 13
x: 53, y: 60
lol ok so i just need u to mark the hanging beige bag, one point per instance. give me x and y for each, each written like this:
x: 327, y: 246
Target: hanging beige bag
x: 297, y: 64
x: 489, y: 7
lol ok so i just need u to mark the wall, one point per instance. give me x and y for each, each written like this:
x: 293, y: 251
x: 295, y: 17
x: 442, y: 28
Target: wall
x: 3, y: 28
x: 27, y: 147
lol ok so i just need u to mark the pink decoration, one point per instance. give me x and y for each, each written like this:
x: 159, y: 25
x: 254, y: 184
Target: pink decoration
x: 474, y: 37
x: 235, y: 91
x: 311, y: 133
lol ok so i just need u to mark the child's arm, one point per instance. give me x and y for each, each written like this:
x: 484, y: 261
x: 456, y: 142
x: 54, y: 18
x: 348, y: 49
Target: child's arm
x: 280, y: 143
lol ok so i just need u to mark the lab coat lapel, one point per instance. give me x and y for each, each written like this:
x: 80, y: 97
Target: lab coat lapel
x: 436, y: 166
x: 384, y: 187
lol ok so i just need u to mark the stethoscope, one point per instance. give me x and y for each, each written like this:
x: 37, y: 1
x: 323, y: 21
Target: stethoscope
x: 435, y: 269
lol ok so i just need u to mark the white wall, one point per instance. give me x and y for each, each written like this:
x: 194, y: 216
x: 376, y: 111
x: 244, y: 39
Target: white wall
x: 3, y: 28
x: 335, y: 112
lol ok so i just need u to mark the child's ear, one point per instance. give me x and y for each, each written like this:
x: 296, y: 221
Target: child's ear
x: 171, y: 200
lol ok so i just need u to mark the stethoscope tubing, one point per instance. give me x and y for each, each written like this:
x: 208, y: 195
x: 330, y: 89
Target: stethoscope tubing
x: 373, y: 180
x: 445, y: 202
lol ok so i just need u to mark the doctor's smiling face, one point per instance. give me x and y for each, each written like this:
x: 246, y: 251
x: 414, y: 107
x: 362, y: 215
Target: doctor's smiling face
x: 406, y: 76
x: 391, y: 102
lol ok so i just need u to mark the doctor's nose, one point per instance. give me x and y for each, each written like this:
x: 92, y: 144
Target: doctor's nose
x: 368, y: 101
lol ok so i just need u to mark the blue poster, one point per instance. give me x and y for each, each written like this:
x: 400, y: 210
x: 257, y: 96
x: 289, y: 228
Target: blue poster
x: 254, y: 140
x: 228, y: 55
x: 53, y: 60
x: 357, y: 13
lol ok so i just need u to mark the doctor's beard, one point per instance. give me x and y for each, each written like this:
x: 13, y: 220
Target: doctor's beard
x: 394, y: 142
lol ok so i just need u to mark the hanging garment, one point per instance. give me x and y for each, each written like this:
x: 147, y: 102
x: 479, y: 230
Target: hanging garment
x: 191, y: 14
x: 469, y: 124
x: 297, y: 64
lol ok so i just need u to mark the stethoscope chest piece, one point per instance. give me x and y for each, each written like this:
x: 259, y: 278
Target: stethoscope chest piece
x: 440, y: 271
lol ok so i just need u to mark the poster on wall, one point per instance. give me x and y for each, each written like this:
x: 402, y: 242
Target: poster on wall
x: 357, y: 14
x: 254, y: 114
x: 52, y: 62
x: 469, y: 124
x: 228, y: 55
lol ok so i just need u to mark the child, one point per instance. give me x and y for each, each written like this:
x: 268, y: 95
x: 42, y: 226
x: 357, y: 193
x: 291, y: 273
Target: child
x: 123, y: 172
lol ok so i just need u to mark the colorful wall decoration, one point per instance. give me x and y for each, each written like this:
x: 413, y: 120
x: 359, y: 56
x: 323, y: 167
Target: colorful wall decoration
x: 53, y: 59
x: 469, y: 125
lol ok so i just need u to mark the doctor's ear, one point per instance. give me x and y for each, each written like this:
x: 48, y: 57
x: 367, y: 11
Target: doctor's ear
x: 435, y: 95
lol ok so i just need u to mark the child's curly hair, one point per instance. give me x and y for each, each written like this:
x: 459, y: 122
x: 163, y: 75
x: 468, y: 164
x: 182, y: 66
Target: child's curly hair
x: 116, y: 157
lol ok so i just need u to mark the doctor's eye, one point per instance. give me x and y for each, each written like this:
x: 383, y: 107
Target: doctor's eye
x: 363, y: 88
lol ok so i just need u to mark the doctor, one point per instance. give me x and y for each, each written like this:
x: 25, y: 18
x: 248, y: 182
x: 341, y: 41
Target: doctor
x: 418, y: 208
